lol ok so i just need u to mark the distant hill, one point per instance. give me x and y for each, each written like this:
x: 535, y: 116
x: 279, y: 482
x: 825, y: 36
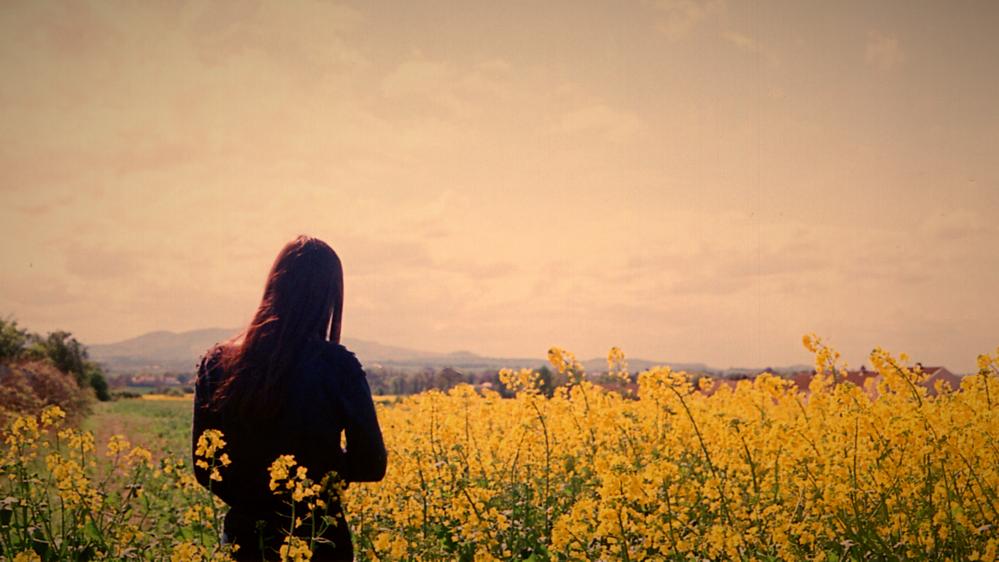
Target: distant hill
x: 786, y: 370
x: 163, y: 351
x: 178, y: 352
x: 599, y: 364
x: 158, y: 352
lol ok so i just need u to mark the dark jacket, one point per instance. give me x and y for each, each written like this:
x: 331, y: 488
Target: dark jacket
x: 328, y: 396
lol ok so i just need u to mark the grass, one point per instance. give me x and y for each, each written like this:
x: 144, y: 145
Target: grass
x: 163, y: 426
x: 134, y: 389
x: 160, y: 423
x: 168, y: 397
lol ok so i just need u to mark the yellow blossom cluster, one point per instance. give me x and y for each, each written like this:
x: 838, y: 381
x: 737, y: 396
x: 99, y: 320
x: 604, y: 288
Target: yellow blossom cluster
x: 121, y: 452
x: 61, y: 500
x: 295, y: 549
x: 193, y: 551
x: 617, y: 364
x: 680, y: 469
x: 207, y: 451
x: 761, y: 471
x: 298, y: 484
x: 308, y: 504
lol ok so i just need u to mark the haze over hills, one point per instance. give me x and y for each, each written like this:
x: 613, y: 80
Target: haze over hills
x: 178, y: 352
x: 163, y: 351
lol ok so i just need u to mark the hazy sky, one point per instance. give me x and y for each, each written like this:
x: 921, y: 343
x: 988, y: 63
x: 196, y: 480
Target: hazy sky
x: 689, y: 181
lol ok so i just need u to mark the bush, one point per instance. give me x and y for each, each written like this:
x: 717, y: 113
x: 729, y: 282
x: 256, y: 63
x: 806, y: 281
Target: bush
x: 27, y: 386
x: 95, y: 377
x: 60, y: 348
x: 16, y: 395
x: 12, y: 340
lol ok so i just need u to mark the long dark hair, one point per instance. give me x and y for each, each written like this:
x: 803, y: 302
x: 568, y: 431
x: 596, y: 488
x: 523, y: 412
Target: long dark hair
x: 303, y: 301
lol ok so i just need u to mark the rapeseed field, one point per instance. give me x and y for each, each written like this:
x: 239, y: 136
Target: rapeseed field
x: 671, y: 471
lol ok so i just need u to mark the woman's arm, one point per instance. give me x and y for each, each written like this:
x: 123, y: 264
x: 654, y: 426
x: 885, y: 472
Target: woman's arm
x: 365, y: 456
x: 205, y: 419
x: 199, y: 423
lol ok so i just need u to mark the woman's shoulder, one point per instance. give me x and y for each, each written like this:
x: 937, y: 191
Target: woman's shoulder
x: 209, y: 375
x: 212, y: 358
x: 210, y: 366
x: 335, y: 356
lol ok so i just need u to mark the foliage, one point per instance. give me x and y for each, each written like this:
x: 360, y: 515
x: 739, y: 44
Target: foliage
x: 12, y: 340
x: 60, y: 348
x: 26, y: 386
x: 95, y: 376
x: 62, y: 500
x: 70, y: 356
x: 59, y: 503
x: 759, y: 472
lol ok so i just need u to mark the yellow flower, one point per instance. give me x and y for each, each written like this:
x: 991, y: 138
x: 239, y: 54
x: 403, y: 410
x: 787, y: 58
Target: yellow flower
x: 209, y: 442
x: 116, y: 444
x: 295, y: 549
x: 140, y: 455
x: 188, y: 552
x: 279, y: 470
x: 51, y: 415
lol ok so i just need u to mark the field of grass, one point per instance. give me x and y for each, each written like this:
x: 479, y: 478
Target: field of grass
x: 134, y: 389
x: 161, y: 425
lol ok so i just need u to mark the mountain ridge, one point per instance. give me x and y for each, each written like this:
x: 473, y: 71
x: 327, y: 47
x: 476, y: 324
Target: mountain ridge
x: 163, y: 351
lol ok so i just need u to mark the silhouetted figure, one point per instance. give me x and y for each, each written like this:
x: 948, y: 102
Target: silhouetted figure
x: 285, y: 386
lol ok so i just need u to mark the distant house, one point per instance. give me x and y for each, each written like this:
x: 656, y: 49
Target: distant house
x: 860, y: 377
x: 864, y: 376
x: 802, y: 379
x: 154, y: 379
x: 941, y: 376
x: 718, y: 384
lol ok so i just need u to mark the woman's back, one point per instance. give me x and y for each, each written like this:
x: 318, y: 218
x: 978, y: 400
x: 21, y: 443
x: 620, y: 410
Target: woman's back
x: 326, y: 396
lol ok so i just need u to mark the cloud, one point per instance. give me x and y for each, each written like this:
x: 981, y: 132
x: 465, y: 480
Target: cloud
x: 23, y: 290
x: 678, y: 18
x: 422, y: 78
x: 305, y: 38
x: 698, y: 262
x: 75, y: 29
x: 613, y: 124
x: 953, y: 225
x: 477, y: 270
x: 389, y: 256
x: 437, y: 100
x: 96, y: 263
x: 430, y: 89
x: 718, y: 270
x: 883, y: 51
x: 750, y: 45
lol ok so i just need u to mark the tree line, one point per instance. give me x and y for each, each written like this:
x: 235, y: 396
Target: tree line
x: 401, y: 382
x: 59, y: 348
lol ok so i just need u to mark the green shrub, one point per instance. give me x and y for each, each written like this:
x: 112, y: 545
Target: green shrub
x: 27, y: 386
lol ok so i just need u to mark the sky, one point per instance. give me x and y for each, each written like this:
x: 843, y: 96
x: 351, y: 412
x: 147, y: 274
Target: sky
x: 689, y: 181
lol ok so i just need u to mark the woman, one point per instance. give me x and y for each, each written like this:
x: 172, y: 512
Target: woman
x: 285, y: 386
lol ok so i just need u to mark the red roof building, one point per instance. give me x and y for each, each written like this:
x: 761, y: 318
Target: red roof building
x: 939, y: 376
x: 863, y: 377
